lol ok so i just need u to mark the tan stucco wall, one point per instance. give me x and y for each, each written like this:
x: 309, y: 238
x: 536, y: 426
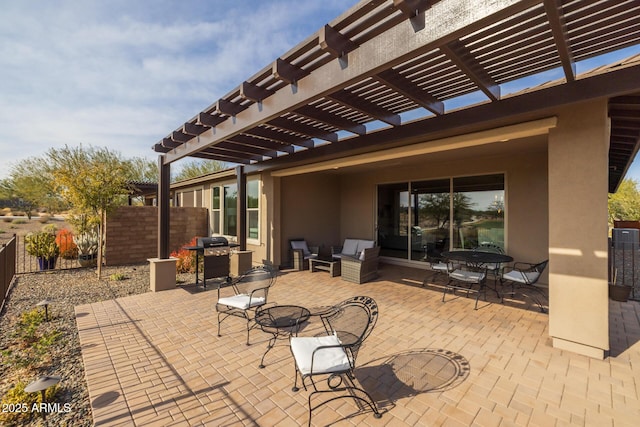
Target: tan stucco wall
x: 526, y: 196
x: 310, y: 209
x: 578, y: 177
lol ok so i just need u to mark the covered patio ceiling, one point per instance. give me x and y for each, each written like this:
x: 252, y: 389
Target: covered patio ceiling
x: 393, y: 72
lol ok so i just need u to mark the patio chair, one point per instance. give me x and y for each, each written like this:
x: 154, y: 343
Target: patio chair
x: 333, y: 356
x: 464, y: 280
x: 301, y: 253
x: 523, y: 276
x: 243, y: 295
x: 361, y: 269
x: 494, y: 267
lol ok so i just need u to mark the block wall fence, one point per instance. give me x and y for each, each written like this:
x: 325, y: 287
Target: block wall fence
x: 132, y: 232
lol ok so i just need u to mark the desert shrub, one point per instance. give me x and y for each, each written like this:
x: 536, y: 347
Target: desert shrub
x: 117, y: 277
x: 186, y: 260
x: 68, y: 247
x: 7, y: 219
x: 19, y: 221
x: 44, y: 218
x: 21, y: 403
x: 5, y: 211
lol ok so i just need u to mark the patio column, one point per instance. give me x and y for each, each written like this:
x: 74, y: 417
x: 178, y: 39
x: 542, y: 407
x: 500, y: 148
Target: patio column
x: 164, y: 173
x: 241, y: 230
x: 578, y: 183
x: 162, y: 270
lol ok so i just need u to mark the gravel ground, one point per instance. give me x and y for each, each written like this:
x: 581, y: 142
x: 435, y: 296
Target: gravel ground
x: 66, y: 289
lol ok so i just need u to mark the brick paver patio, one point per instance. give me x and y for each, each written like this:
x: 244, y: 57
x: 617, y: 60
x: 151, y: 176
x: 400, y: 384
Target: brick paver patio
x: 155, y: 359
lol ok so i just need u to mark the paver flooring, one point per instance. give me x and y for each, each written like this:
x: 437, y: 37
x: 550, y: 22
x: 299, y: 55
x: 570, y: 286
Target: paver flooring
x: 155, y: 359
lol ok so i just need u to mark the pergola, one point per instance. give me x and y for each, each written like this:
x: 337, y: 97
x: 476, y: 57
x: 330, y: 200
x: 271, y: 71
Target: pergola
x: 388, y: 73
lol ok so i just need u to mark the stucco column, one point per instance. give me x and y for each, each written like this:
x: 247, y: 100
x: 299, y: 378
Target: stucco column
x: 578, y: 177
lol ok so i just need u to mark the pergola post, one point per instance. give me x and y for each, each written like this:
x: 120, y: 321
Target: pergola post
x: 162, y: 270
x: 241, y: 230
x: 164, y: 173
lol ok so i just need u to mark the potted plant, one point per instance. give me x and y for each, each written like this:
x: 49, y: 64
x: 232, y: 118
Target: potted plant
x: 618, y: 292
x: 87, y: 243
x: 42, y: 245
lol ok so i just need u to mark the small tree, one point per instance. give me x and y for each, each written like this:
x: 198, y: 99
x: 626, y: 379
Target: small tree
x: 30, y: 186
x: 624, y: 204
x: 196, y: 168
x: 91, y: 179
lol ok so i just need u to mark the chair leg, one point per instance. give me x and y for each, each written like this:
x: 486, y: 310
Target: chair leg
x: 360, y: 396
x: 219, y: 321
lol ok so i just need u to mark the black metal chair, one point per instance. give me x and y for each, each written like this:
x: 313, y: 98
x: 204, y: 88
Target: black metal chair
x: 523, y: 276
x: 492, y: 268
x: 242, y: 296
x: 333, y: 355
x: 464, y: 280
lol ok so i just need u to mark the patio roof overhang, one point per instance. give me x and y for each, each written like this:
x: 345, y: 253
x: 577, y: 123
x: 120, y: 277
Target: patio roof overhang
x: 359, y: 83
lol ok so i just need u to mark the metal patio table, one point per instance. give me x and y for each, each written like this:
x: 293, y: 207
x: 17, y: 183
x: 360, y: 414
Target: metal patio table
x: 281, y: 321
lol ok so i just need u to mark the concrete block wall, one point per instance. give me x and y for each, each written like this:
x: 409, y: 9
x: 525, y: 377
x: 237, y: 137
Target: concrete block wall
x: 132, y: 232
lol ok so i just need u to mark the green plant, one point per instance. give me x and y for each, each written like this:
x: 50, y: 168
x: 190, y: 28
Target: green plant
x: 117, y: 277
x: 19, y: 221
x: 87, y: 242
x: 41, y: 244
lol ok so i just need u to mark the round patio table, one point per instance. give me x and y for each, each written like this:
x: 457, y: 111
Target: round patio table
x: 281, y: 321
x: 477, y: 258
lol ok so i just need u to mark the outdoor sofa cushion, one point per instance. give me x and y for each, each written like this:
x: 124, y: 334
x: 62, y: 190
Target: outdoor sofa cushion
x: 301, y: 244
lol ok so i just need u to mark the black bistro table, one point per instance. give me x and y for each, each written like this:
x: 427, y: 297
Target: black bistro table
x: 281, y: 321
x: 477, y: 259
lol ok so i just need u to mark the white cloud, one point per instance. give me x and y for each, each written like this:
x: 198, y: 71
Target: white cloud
x: 124, y: 74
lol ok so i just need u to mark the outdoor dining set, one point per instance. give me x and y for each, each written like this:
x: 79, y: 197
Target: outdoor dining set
x: 330, y: 354
x: 468, y: 271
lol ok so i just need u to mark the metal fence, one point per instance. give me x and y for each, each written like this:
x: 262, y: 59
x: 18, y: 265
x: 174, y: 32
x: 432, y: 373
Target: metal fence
x: 68, y: 258
x: 624, y: 260
x: 8, y: 268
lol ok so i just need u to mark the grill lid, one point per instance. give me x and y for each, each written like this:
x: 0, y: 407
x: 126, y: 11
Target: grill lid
x: 213, y: 242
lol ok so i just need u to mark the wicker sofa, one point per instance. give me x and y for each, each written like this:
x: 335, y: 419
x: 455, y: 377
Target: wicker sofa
x: 363, y: 265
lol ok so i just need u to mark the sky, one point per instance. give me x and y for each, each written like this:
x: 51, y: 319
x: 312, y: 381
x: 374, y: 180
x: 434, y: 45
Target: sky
x: 123, y: 74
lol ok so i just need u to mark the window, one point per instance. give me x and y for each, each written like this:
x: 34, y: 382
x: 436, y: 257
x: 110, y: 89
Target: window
x: 215, y: 210
x: 229, y: 223
x: 224, y: 206
x: 252, y: 209
x: 422, y: 219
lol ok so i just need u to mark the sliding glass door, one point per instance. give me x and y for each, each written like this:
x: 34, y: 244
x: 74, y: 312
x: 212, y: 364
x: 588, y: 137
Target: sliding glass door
x: 419, y: 220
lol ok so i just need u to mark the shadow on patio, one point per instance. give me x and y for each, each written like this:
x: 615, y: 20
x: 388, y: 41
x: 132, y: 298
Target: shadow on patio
x: 156, y: 358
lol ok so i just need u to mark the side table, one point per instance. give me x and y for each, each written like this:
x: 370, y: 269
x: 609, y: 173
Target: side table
x: 319, y: 264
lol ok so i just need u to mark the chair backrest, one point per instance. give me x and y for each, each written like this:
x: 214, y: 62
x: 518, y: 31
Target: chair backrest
x: 352, y: 320
x: 538, y: 268
x: 261, y: 277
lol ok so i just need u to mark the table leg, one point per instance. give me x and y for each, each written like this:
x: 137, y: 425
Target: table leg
x: 197, y: 265
x: 272, y: 342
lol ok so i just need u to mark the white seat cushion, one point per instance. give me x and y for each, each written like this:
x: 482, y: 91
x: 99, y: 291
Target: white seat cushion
x: 521, y: 276
x: 241, y: 301
x: 350, y: 247
x: 327, y: 360
x: 467, y: 276
x: 440, y: 266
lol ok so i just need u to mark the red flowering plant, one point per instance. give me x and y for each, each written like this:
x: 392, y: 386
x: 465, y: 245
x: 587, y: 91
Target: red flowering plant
x: 68, y: 247
x: 186, y: 259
